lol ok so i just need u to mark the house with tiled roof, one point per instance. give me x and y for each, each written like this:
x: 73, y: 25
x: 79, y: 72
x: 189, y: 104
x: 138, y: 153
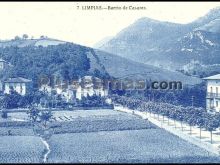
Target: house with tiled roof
x: 77, y: 89
x: 18, y: 84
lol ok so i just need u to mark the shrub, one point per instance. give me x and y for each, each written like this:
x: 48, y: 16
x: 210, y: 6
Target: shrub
x: 4, y: 115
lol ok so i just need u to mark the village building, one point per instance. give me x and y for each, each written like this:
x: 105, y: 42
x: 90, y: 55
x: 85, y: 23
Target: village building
x: 85, y: 86
x: 90, y: 86
x: 69, y: 94
x: 20, y: 85
x: 60, y: 88
x: 4, y: 65
x: 213, y: 93
x: 45, y: 88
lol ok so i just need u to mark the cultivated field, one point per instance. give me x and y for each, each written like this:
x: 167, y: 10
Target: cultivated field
x: 21, y: 149
x: 94, y: 121
x: 16, y: 131
x: 110, y: 136
x: 147, y: 145
x: 98, y: 136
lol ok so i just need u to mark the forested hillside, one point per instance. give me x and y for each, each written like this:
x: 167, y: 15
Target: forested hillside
x: 68, y: 60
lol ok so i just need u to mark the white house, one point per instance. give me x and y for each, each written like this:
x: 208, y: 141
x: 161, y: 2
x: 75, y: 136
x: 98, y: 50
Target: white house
x: 213, y: 93
x: 89, y: 86
x: 60, y: 88
x: 4, y: 64
x: 85, y: 86
x: 69, y: 94
x: 46, y: 88
x: 19, y: 84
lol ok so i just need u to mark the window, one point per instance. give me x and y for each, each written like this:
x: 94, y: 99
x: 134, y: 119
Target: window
x: 217, y: 90
x: 21, y: 88
x: 211, y: 89
x: 216, y: 103
x: 1, y: 65
x: 211, y: 103
x: 11, y: 88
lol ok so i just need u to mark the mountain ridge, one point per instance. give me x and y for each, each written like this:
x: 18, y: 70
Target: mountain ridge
x: 165, y: 44
x: 101, y: 63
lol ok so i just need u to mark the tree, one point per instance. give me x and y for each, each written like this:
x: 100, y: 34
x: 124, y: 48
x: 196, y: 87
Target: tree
x: 190, y: 115
x: 45, y: 116
x: 10, y: 101
x: 25, y: 36
x: 33, y: 113
x: 191, y: 121
x: 4, y: 102
x: 4, y: 114
x: 24, y: 101
x: 43, y: 37
x: 17, y: 38
x: 180, y: 118
x: 200, y: 122
x: 211, y: 123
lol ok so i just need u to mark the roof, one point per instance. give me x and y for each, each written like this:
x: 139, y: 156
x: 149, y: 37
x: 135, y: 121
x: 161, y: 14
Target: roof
x: 1, y: 60
x: 214, y: 77
x: 90, y: 77
x: 17, y: 80
x: 86, y: 78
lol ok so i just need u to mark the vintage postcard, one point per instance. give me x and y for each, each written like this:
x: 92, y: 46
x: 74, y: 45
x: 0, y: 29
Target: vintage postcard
x: 110, y: 82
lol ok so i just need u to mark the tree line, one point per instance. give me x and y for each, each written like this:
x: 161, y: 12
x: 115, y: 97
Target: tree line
x: 194, y: 116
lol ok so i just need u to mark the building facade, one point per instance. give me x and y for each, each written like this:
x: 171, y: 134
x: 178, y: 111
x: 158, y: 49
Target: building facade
x: 19, y: 85
x: 4, y: 64
x: 89, y: 86
x: 45, y: 88
x: 85, y: 86
x: 213, y: 93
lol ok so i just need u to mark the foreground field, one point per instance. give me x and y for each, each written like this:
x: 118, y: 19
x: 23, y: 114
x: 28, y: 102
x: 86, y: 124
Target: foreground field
x: 21, y: 149
x: 100, y: 136
x: 148, y: 145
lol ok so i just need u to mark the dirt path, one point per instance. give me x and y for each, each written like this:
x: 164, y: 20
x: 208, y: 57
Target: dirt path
x: 45, y: 156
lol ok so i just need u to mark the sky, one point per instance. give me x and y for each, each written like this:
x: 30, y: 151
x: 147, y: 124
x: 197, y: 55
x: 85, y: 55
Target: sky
x: 69, y: 22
